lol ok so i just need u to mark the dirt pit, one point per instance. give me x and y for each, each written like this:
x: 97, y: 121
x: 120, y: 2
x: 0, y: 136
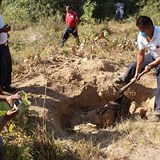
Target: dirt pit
x: 69, y: 92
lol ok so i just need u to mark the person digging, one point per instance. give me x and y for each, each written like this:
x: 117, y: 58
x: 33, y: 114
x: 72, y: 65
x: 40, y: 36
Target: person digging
x: 148, y: 40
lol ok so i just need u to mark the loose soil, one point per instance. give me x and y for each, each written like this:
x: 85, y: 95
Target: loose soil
x: 63, y: 90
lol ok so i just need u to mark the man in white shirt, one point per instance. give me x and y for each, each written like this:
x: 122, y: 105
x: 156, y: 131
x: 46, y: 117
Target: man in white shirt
x: 148, y: 39
x: 119, y: 10
x: 5, y: 58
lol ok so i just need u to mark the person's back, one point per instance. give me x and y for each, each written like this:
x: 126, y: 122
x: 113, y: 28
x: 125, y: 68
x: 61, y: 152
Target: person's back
x: 119, y: 10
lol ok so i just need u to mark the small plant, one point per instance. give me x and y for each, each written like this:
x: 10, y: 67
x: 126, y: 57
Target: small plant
x: 22, y: 116
x: 88, y: 8
x: 45, y: 148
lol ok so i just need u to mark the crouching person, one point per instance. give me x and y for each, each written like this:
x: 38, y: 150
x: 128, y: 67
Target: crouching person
x: 7, y: 116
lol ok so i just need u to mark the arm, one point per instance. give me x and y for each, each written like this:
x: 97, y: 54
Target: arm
x: 8, y: 98
x: 155, y: 63
x: 12, y: 112
x: 76, y: 21
x: 140, y: 58
x: 152, y: 65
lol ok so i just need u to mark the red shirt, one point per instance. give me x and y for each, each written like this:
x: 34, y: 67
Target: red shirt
x: 71, y: 19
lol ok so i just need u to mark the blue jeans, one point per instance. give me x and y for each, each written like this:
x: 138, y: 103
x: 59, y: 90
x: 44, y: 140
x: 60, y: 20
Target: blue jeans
x: 131, y: 72
x: 69, y: 31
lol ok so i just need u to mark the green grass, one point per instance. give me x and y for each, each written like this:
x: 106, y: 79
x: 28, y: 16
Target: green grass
x: 42, y: 40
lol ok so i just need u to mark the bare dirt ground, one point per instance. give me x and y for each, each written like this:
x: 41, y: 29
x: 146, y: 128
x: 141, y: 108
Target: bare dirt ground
x: 68, y: 94
x: 64, y: 91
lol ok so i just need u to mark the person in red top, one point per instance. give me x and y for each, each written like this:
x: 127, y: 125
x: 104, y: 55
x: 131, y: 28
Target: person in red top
x: 72, y: 21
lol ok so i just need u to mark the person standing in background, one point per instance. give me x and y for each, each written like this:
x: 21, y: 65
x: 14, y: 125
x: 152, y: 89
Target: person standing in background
x: 119, y: 10
x: 5, y: 57
x: 71, y: 20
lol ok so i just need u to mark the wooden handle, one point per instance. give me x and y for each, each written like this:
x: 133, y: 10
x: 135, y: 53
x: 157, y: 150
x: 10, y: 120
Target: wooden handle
x: 131, y: 82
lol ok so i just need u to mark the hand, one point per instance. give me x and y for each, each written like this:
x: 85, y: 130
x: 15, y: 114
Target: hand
x: 12, y: 97
x: 148, y: 68
x: 136, y: 76
x: 12, y: 111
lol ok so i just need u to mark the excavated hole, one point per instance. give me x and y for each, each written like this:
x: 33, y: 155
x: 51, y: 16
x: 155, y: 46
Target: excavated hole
x: 83, y: 109
x: 64, y: 114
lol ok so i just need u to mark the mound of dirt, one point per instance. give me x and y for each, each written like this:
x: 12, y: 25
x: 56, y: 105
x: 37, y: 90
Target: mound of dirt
x: 63, y: 90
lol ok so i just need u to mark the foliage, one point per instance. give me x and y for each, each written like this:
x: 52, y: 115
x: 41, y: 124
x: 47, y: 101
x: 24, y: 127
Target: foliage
x: 22, y: 11
x: 88, y: 8
x: 152, y: 10
x: 24, y: 103
x: 22, y: 147
x: 23, y: 110
x: 15, y: 14
x: 38, y: 146
x: 4, y: 106
x: 45, y: 148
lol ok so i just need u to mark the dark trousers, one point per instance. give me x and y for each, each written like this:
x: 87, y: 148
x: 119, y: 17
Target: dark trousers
x: 5, y: 66
x: 131, y: 72
x: 69, y: 31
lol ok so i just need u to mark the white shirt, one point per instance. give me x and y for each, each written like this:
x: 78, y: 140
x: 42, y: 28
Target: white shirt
x: 3, y: 36
x: 153, y: 46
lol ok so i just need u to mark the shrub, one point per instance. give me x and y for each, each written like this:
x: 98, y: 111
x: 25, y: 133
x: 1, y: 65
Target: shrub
x: 88, y: 8
x: 152, y: 10
x: 15, y: 14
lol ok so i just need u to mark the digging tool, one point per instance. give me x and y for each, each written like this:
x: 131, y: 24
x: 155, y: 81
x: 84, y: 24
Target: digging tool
x: 113, y: 110
x: 115, y: 105
x: 124, y: 88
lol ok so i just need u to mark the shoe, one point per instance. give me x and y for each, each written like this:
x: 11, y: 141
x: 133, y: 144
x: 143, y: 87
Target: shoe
x: 118, y: 80
x: 155, y: 118
x: 9, y: 89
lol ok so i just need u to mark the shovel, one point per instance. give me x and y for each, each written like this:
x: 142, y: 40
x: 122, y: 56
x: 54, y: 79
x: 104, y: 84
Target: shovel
x: 124, y: 88
x: 114, y: 105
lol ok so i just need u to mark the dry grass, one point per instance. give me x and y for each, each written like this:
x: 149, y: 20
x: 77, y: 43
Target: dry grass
x: 135, y: 134
x: 115, y: 143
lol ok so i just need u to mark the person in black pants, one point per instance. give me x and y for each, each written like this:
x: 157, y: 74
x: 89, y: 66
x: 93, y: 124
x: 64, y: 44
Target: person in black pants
x: 5, y: 68
x: 72, y: 21
x: 5, y: 58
